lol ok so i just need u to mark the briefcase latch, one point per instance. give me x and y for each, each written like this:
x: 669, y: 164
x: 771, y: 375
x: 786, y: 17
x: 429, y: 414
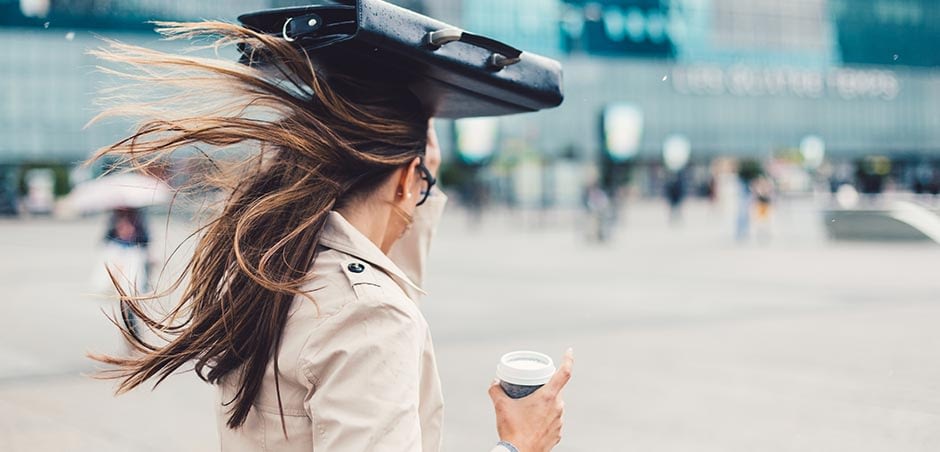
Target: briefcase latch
x: 502, y: 54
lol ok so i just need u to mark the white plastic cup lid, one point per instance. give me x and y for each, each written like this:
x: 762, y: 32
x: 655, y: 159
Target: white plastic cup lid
x: 525, y: 368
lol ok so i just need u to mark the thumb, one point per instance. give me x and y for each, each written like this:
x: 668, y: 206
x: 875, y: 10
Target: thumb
x: 563, y: 374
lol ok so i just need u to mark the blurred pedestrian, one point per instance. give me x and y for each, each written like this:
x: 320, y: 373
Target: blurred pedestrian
x: 300, y: 300
x: 675, y: 194
x: 599, y: 212
x: 763, y: 190
x: 127, y: 227
x: 125, y: 259
x: 748, y: 171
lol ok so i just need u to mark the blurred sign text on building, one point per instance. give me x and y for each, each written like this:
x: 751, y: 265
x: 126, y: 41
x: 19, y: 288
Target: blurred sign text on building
x: 740, y: 80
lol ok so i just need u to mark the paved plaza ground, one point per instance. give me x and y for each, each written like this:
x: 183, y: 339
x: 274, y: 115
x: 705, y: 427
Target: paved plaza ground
x: 684, y: 339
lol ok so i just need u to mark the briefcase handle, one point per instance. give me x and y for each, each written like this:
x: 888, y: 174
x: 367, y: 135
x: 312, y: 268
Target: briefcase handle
x: 503, y: 54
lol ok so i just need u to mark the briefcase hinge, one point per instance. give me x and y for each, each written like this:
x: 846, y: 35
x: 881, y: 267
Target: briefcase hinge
x: 303, y: 25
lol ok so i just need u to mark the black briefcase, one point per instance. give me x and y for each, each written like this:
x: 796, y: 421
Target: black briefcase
x: 455, y: 74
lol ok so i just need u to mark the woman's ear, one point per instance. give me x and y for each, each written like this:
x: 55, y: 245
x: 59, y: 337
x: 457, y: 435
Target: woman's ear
x: 408, y: 180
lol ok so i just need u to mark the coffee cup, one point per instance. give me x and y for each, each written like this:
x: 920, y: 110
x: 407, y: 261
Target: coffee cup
x: 521, y: 373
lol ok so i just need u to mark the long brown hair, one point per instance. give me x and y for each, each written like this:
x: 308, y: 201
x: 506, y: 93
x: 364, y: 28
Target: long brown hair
x: 306, y: 138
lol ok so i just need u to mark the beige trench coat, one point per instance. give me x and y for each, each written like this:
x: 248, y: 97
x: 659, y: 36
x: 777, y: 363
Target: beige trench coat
x: 357, y: 367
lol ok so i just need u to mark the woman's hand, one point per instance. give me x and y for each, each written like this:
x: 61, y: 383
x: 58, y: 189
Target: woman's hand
x: 533, y: 423
x: 432, y: 157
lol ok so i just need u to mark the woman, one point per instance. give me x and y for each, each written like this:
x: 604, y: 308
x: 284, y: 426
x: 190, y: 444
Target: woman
x: 299, y: 302
x: 127, y: 256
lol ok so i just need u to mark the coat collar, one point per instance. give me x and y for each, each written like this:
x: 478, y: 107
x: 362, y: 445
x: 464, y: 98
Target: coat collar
x: 340, y: 235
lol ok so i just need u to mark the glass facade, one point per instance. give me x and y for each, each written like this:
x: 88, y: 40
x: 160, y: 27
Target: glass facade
x: 638, y: 27
x: 762, y: 32
x: 48, y: 86
x: 116, y: 15
x: 531, y: 25
x: 734, y: 76
x: 744, y: 77
x: 888, y: 33
x: 748, y: 110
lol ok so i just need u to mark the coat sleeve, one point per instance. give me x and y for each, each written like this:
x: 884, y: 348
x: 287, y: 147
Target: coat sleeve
x: 364, y: 380
x: 410, y: 252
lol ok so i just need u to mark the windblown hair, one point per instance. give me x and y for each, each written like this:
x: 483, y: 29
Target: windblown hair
x: 318, y: 138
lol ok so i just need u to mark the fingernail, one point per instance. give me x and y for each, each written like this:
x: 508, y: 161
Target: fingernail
x: 570, y: 351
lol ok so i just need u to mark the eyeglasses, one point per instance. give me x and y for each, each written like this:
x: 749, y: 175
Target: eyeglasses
x: 429, y: 179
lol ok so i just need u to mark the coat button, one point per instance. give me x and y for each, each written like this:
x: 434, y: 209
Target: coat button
x: 356, y: 267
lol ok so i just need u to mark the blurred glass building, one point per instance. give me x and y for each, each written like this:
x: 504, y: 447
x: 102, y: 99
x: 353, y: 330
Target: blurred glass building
x: 732, y: 77
x: 739, y: 76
